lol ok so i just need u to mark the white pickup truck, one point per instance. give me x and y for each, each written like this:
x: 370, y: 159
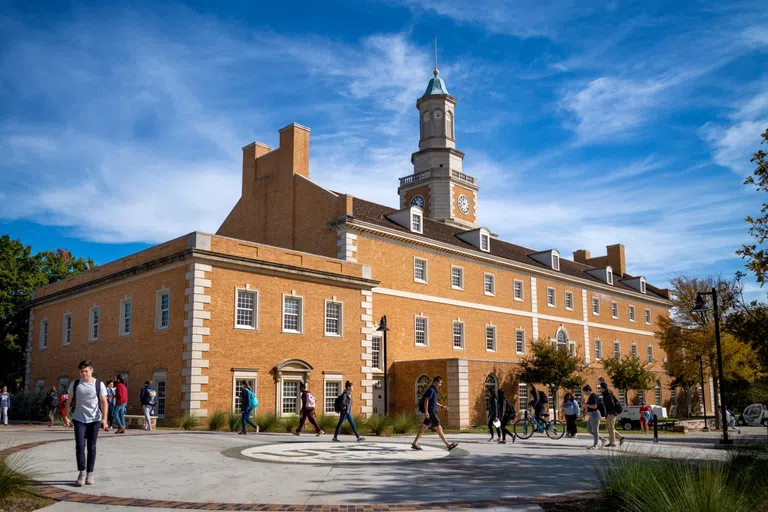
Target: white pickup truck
x: 630, y: 416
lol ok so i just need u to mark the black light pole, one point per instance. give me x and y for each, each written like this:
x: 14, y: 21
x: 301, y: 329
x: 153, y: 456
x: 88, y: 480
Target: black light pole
x: 701, y: 308
x: 703, y: 395
x: 383, y: 328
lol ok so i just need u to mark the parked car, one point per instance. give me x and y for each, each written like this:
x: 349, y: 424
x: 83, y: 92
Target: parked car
x: 755, y: 414
x: 630, y: 417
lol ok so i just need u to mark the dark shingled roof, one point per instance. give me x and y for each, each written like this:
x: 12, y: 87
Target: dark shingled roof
x: 375, y: 214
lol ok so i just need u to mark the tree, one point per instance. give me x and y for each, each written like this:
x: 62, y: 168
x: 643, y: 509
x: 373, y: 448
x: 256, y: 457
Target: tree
x: 547, y: 364
x: 628, y: 373
x: 755, y: 254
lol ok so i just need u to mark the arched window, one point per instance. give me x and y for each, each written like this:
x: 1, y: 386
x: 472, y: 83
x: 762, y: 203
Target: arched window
x: 490, y: 382
x: 422, y: 385
x: 657, y: 391
x: 439, y: 129
x: 449, y: 118
x: 562, y: 339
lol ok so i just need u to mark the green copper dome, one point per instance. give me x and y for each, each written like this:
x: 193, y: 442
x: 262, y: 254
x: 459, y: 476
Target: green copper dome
x: 436, y: 86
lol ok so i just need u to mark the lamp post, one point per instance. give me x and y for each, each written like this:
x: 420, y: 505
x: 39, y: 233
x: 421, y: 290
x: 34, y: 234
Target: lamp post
x: 383, y: 328
x: 703, y: 400
x: 701, y: 308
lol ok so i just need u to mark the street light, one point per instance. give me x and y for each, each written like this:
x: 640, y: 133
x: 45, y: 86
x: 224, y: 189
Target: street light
x: 701, y: 308
x: 703, y: 400
x: 383, y: 328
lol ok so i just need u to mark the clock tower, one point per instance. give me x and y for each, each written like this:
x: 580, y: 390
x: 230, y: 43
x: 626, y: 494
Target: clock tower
x: 438, y: 184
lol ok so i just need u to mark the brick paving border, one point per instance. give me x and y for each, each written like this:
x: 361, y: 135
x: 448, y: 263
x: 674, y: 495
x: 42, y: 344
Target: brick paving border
x: 59, y: 494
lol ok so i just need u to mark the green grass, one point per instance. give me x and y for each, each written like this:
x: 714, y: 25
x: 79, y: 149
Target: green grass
x: 269, y: 422
x: 379, y: 425
x: 217, y: 420
x: 233, y: 420
x: 290, y: 423
x: 404, y: 423
x: 12, y: 477
x: 327, y: 422
x: 189, y: 422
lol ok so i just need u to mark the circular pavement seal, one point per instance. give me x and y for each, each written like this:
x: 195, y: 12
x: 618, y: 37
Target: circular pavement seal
x: 342, y: 453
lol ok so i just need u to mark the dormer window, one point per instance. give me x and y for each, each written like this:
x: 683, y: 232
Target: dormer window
x: 642, y: 285
x: 485, y: 242
x: 411, y: 218
x: 550, y: 258
x: 609, y: 275
x: 555, y: 261
x: 416, y: 221
x: 479, y: 238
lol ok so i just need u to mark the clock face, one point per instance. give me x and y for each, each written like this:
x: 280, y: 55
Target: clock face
x: 426, y: 116
x: 438, y: 114
x: 417, y: 201
x: 463, y: 204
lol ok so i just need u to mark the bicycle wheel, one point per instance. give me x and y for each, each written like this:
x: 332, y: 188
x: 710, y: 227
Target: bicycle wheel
x: 556, y: 429
x: 524, y: 428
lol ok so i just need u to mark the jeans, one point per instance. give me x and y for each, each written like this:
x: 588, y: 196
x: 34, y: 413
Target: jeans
x: 246, y: 419
x: 570, y: 424
x: 504, y: 430
x: 345, y: 416
x: 308, y: 414
x: 4, y: 415
x: 86, y: 433
x: 147, y: 416
x: 593, y: 426
x: 110, y: 414
x: 610, y: 423
x: 491, y: 427
x: 119, y: 414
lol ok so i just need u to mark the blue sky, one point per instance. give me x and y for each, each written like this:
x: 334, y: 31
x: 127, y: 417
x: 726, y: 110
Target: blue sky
x: 586, y: 123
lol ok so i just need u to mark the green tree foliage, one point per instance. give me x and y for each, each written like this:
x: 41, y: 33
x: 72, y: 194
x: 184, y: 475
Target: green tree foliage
x: 755, y: 254
x: 20, y: 273
x: 628, y: 373
x: 547, y: 364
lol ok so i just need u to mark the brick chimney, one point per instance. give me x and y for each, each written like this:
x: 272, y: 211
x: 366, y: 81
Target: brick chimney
x: 294, y: 149
x: 616, y: 259
x: 581, y: 256
x: 250, y: 153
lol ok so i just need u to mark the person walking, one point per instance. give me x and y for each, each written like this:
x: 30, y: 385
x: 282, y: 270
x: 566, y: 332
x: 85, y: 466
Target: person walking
x: 507, y: 413
x: 645, y: 418
x: 344, y: 405
x: 593, y: 417
x: 248, y: 403
x: 731, y: 421
x: 51, y: 401
x: 88, y: 398
x: 429, y: 405
x: 308, y: 411
x: 612, y: 410
x: 147, y: 399
x: 5, y: 404
x: 121, y: 402
x: 571, y: 411
x: 493, y: 413
x: 63, y: 407
x: 111, y: 403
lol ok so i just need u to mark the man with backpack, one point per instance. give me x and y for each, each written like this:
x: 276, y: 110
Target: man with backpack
x: 307, y: 411
x: 88, y: 399
x: 428, y: 405
x: 249, y: 403
x: 594, y: 406
x: 343, y: 405
x: 539, y: 400
x: 51, y: 401
x: 612, y: 410
x: 147, y: 399
x: 508, y: 413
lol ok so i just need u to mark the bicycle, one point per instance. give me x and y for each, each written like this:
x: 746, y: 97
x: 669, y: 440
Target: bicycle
x: 528, y: 425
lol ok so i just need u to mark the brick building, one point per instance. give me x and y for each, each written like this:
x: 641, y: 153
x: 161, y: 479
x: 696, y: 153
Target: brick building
x: 290, y: 288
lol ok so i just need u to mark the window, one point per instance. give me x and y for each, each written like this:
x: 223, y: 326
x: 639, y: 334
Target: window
x: 648, y: 316
x: 485, y: 242
x: 239, y: 380
x: 39, y: 386
x: 333, y: 318
x: 616, y: 350
x: 520, y: 341
x: 562, y: 339
x: 595, y: 306
x: 615, y: 309
x: 631, y: 313
x: 291, y: 397
x: 490, y: 338
x: 419, y: 270
x: 458, y: 335
x: 160, y: 388
x: 293, y: 314
x: 555, y: 262
x: 650, y: 354
x: 518, y: 290
x: 569, y: 300
x: 332, y: 390
x: 376, y: 353
x: 246, y: 309
x: 162, y: 309
x: 673, y: 400
x: 489, y: 284
x: 609, y: 275
x: 622, y: 397
x: 420, y: 332
x: 457, y: 278
x: 522, y: 397
x: 416, y: 222
x: 598, y: 350
x: 642, y: 285
x: 66, y: 330
x: 93, y: 324
x: 422, y: 385
x: 44, y: 334
x: 633, y: 348
x: 551, y: 395
x: 579, y: 396
x: 63, y: 385
x: 125, y: 317
x: 641, y: 397
x: 551, y: 297
x: 657, y: 392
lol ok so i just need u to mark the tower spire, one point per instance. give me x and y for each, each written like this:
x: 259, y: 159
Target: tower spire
x: 435, y: 72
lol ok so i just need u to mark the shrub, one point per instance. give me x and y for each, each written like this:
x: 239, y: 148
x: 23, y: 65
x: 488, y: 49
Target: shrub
x: 12, y: 477
x: 28, y: 407
x: 404, y: 423
x: 234, y: 421
x: 217, y: 420
x: 290, y: 423
x: 378, y: 424
x: 327, y: 422
x: 189, y: 422
x: 268, y: 422
x: 361, y: 424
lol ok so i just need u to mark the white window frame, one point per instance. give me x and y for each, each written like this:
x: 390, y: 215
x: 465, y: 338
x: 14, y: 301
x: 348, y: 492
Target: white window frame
x: 617, y: 350
x: 609, y: 275
x: 426, y: 330
x: 643, y: 288
x: 254, y: 326
x: 522, y: 397
x: 340, y: 334
x: 490, y: 329
x: 491, y: 293
x: 43, y: 338
x: 158, y: 377
x: 515, y: 284
x: 633, y: 351
x: 243, y: 375
x: 485, y: 242
x: 334, y: 378
x: 641, y: 396
x: 657, y: 393
x: 66, y: 330
x: 649, y: 352
x: 426, y: 271
x: 568, y: 294
x: 159, y: 309
x: 299, y: 320
x: 622, y: 397
x: 631, y: 313
x: 595, y: 306
x: 598, y: 349
x: 94, y: 314
x: 647, y: 316
x: 460, y: 286
x: 551, y: 294
x: 281, y: 403
x: 461, y: 336
x: 555, y: 261
x: 614, y: 310
x: 121, y: 328
x: 376, y: 352
x: 417, y: 222
x: 521, y: 342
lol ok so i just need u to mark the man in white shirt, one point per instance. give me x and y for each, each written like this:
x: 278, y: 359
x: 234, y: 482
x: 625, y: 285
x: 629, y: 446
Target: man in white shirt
x: 88, y: 397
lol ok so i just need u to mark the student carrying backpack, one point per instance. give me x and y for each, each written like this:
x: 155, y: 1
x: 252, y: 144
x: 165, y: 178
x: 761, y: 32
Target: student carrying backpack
x: 307, y: 410
x: 248, y: 403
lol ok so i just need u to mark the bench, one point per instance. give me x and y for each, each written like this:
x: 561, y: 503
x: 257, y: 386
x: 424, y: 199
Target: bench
x: 137, y: 421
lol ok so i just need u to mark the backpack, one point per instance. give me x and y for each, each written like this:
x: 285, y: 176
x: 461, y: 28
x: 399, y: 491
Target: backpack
x: 51, y: 400
x: 338, y: 404
x: 601, y: 406
x: 617, y: 407
x: 74, y: 392
x: 310, y: 400
x: 253, y: 402
x: 543, y: 398
x: 509, y: 410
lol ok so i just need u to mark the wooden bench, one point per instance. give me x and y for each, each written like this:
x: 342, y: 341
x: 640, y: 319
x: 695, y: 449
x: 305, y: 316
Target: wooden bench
x: 137, y: 421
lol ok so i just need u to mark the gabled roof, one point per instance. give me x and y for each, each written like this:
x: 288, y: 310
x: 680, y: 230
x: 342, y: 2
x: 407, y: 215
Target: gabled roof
x: 440, y: 232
